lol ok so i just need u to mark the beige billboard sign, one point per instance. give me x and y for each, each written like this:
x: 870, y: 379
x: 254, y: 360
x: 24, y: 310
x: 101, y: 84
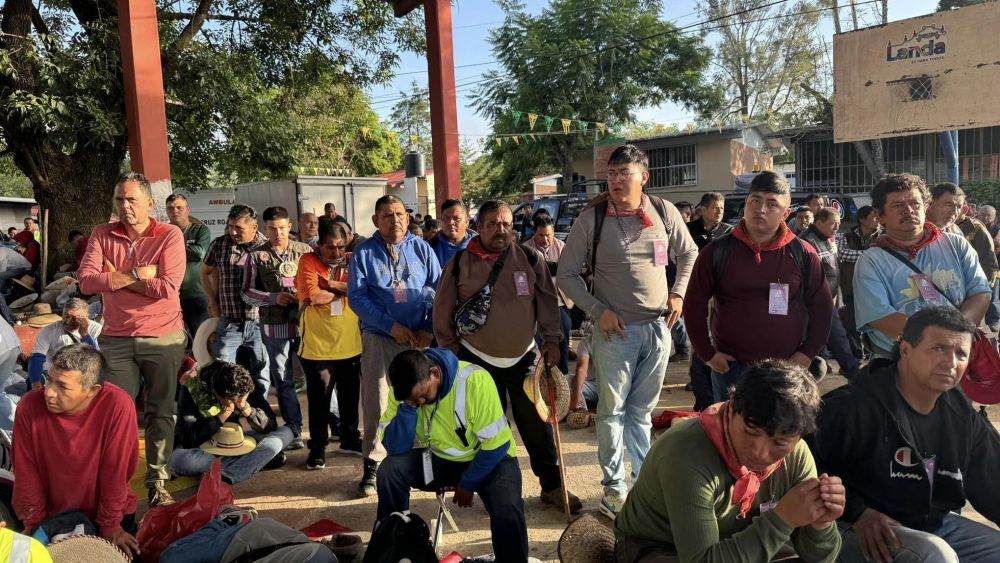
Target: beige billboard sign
x: 932, y: 73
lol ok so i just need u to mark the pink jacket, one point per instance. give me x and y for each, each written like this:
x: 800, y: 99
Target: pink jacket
x: 127, y: 313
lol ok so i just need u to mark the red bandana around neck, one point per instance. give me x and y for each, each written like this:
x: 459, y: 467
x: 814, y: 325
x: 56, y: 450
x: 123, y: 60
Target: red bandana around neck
x: 931, y: 234
x: 476, y: 249
x: 715, y: 421
x: 639, y: 212
x: 783, y: 237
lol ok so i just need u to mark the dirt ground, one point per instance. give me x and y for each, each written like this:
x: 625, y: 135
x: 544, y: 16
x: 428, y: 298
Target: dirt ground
x: 299, y: 497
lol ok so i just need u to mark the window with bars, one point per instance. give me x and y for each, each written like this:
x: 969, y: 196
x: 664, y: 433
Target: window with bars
x: 672, y: 166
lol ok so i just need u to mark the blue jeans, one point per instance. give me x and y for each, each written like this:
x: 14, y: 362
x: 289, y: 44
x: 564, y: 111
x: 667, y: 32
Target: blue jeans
x: 630, y: 373
x: 209, y: 543
x: 283, y: 378
x: 958, y: 539
x: 722, y: 383
x: 679, y: 336
x: 196, y: 461
x: 500, y: 491
x: 235, y: 333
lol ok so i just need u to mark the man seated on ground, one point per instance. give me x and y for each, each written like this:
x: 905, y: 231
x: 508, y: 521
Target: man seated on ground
x: 737, y: 483
x: 211, y: 406
x: 77, y: 446
x: 912, y: 451
x: 452, y: 410
x: 76, y: 327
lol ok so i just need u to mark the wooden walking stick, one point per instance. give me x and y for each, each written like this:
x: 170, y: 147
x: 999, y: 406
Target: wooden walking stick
x: 551, y: 388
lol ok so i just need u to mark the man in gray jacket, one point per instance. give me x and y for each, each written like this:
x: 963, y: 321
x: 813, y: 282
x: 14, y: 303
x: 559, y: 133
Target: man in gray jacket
x: 632, y: 306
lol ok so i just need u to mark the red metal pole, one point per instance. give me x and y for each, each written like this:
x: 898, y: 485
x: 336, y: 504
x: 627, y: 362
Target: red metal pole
x: 444, y: 115
x: 144, y: 105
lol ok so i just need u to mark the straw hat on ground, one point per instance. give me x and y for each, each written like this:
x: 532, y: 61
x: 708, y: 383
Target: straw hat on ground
x: 201, y: 345
x: 536, y: 387
x: 229, y: 441
x: 27, y: 282
x: 41, y: 316
x: 589, y: 539
x: 86, y: 549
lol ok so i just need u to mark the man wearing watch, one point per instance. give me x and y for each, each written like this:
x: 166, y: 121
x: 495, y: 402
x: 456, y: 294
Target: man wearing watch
x: 269, y: 283
x: 218, y: 393
x: 137, y: 265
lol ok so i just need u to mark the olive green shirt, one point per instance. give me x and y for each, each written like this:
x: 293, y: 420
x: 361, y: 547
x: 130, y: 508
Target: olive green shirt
x: 683, y: 500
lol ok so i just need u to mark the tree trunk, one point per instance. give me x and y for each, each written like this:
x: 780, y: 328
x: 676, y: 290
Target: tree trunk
x: 567, y: 165
x: 871, y: 154
x: 77, y: 190
x: 836, y: 16
x: 854, y: 15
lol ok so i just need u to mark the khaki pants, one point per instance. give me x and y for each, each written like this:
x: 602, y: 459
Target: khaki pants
x: 136, y: 363
x: 377, y: 352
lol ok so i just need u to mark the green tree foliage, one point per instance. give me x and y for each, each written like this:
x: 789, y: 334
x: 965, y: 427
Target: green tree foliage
x: 232, y: 71
x: 479, y: 173
x: 13, y: 183
x: 763, y: 51
x: 593, y: 60
x: 411, y: 118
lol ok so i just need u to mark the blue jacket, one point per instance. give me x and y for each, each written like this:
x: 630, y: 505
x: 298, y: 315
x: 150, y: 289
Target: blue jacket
x: 370, y: 291
x: 445, y: 250
x: 399, y: 434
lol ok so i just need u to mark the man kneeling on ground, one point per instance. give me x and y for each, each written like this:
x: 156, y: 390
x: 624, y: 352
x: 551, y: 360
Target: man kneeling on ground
x: 737, y: 483
x: 452, y: 410
x: 77, y: 446
x: 208, y: 425
x: 912, y: 451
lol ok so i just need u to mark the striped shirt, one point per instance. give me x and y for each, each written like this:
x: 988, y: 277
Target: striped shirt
x: 225, y: 255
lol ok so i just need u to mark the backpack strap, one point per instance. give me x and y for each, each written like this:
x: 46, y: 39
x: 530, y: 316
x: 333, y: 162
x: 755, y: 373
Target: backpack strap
x: 801, y: 257
x: 660, y: 206
x: 720, y: 254
x: 600, y: 212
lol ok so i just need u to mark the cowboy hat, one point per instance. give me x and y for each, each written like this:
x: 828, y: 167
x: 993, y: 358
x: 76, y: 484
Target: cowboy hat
x: 41, y: 316
x: 26, y: 282
x: 24, y: 301
x: 201, y: 346
x: 86, y: 549
x: 536, y: 387
x: 229, y: 441
x: 589, y: 539
x: 61, y: 283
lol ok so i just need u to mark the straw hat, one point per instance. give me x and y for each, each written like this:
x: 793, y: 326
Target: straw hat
x: 579, y: 418
x: 201, y: 346
x: 23, y: 302
x: 26, y: 282
x: 61, y: 283
x: 229, y: 441
x: 86, y: 549
x: 41, y: 316
x: 536, y: 387
x: 589, y: 539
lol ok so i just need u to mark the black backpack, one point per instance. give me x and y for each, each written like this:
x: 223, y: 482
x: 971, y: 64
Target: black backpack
x: 399, y: 536
x: 720, y: 255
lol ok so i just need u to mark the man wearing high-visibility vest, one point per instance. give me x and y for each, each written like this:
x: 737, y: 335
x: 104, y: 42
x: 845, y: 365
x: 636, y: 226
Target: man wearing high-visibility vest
x: 451, y: 411
x: 18, y: 548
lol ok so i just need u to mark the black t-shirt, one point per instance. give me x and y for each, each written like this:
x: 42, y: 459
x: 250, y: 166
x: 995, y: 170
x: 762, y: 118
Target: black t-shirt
x: 926, y: 431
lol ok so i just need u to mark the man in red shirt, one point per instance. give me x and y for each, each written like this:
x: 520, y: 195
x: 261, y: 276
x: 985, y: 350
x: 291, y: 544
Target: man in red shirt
x: 77, y: 447
x: 137, y: 265
x: 771, y: 299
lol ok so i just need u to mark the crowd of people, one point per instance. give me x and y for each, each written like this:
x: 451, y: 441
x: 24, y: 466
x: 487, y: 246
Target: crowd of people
x: 414, y: 346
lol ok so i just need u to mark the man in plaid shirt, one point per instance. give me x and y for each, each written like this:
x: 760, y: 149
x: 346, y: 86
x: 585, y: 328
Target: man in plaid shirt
x: 222, y: 278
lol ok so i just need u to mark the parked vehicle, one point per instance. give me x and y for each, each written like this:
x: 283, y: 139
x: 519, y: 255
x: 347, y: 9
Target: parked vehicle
x: 562, y: 207
x: 845, y: 204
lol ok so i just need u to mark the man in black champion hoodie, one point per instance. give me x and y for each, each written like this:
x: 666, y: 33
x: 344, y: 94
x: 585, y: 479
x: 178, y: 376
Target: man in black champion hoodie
x: 911, y: 451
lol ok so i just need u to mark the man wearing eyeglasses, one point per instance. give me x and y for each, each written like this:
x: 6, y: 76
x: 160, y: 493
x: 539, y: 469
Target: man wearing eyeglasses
x: 632, y: 305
